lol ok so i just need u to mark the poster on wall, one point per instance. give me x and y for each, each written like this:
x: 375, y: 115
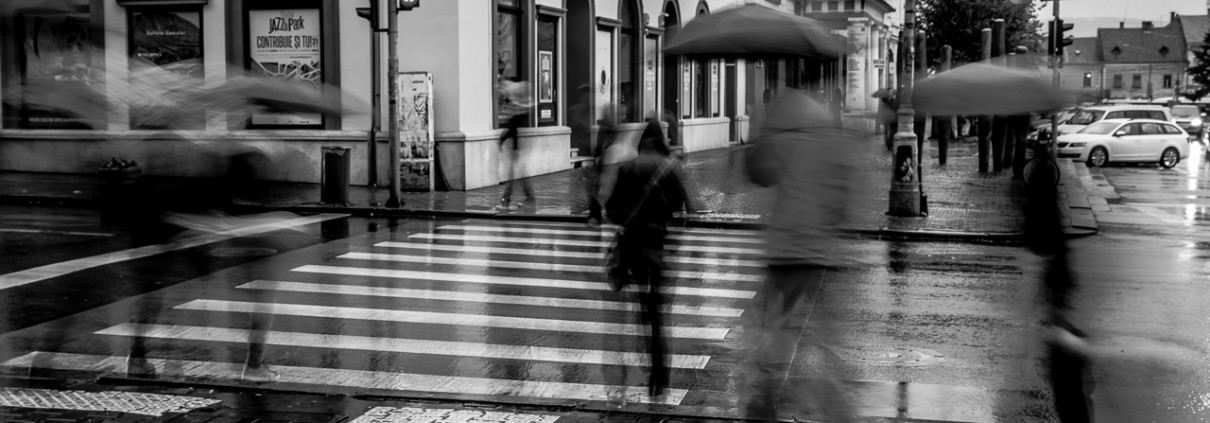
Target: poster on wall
x: 686, y: 89
x: 416, y: 131
x: 603, y: 77
x: 285, y: 44
x: 546, y: 86
x: 172, y: 41
x: 56, y: 55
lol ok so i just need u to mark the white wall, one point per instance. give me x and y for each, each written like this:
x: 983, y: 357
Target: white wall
x: 354, y: 62
x: 452, y: 39
x: 116, y: 63
x: 214, y: 54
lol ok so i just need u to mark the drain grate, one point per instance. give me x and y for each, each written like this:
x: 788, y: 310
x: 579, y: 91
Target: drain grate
x: 889, y: 356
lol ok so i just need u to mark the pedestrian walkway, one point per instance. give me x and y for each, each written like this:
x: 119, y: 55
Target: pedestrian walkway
x: 473, y: 311
x: 961, y: 202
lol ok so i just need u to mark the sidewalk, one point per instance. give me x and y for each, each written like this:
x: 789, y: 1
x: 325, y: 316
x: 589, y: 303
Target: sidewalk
x: 962, y: 203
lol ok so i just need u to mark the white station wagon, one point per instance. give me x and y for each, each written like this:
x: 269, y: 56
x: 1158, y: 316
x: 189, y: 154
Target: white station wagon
x: 1127, y: 140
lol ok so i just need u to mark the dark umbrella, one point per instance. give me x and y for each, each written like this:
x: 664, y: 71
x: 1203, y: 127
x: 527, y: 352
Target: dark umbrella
x: 755, y: 30
x: 985, y: 89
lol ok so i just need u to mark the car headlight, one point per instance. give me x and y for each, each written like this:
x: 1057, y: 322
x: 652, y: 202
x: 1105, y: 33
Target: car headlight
x: 1077, y: 144
x: 1195, y: 122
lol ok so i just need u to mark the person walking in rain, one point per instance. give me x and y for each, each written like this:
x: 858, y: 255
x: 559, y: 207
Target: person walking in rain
x: 809, y: 159
x: 649, y: 189
x: 517, y: 102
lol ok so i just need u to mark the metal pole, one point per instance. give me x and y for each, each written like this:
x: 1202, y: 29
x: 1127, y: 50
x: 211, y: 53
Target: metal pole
x: 999, y: 122
x: 393, y: 96
x: 947, y: 57
x: 905, y: 188
x: 376, y: 94
x: 1056, y: 80
x: 985, y: 121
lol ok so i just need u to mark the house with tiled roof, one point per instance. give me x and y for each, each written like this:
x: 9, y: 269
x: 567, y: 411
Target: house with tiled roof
x: 1083, y: 73
x: 1143, y: 63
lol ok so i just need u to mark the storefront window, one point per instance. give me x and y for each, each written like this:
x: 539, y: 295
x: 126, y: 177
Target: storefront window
x: 650, y: 69
x: 629, y: 49
x: 548, y: 71
x: 701, y: 89
x: 510, y: 58
x: 45, y: 54
x: 286, y: 43
x: 166, y: 44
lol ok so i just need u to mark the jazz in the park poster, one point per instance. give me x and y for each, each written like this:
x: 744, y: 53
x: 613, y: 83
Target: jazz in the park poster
x: 285, y: 44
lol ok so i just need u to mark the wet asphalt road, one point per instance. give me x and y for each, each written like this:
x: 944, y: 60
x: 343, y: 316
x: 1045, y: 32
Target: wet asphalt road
x: 514, y: 311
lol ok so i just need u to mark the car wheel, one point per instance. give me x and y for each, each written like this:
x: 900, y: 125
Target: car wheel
x: 1169, y: 158
x: 1099, y: 157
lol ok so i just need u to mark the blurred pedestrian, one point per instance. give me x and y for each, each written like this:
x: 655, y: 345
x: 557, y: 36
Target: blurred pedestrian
x: 837, y: 106
x: 810, y: 162
x: 648, y: 191
x: 1067, y: 351
x: 518, y: 101
x: 888, y: 113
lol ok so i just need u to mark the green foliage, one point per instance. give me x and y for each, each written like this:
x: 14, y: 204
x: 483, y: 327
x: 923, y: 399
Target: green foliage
x: 959, y: 23
x: 1200, y: 71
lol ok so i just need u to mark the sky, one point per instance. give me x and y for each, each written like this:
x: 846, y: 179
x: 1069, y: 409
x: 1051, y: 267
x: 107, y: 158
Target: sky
x: 1152, y: 10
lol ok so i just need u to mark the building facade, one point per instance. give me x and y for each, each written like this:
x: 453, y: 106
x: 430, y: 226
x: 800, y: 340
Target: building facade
x: 1082, y: 77
x: 588, y: 62
x: 1143, y: 63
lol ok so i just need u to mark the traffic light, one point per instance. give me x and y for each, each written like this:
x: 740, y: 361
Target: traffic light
x: 1055, y: 40
x: 405, y: 5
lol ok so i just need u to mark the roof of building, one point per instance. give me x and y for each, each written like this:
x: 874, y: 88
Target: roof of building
x: 1195, y: 28
x: 1082, y: 51
x: 1138, y: 45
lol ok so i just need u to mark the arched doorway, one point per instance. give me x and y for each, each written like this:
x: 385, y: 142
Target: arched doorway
x: 672, y: 66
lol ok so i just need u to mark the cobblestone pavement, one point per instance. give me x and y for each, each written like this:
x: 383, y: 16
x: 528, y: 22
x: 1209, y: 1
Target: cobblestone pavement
x: 959, y: 198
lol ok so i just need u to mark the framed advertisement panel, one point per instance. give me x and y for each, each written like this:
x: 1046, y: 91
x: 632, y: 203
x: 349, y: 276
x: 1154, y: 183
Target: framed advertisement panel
x: 286, y: 43
x: 56, y: 53
x: 171, y: 39
x: 416, y: 145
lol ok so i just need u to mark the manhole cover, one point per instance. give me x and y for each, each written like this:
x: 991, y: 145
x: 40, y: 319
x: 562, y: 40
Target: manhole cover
x: 241, y: 252
x: 881, y: 355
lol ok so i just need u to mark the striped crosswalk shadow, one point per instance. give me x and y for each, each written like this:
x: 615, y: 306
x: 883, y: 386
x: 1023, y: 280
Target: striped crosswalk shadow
x: 441, y: 290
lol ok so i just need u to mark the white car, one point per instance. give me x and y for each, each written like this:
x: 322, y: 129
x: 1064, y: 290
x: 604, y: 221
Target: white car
x: 1127, y: 140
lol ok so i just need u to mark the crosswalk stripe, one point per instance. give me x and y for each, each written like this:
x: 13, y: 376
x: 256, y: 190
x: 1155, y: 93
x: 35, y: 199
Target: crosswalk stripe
x: 404, y: 345
x: 205, y: 370
x: 514, y: 281
x: 479, y: 297
x: 671, y: 258
x: 611, y: 226
x: 580, y: 243
x: 437, y: 318
x: 608, y: 233
x: 554, y: 267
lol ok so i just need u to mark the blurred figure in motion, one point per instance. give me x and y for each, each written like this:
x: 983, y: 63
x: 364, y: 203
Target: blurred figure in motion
x: 1066, y: 348
x: 810, y: 160
x: 517, y: 104
x: 888, y: 109
x: 648, y: 191
x: 580, y: 118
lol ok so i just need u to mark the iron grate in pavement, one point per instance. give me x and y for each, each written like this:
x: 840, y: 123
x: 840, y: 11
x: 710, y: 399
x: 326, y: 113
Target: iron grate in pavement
x: 436, y: 415
x: 112, y: 401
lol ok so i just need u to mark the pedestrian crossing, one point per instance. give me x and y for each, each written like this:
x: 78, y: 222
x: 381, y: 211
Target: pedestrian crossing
x: 517, y: 298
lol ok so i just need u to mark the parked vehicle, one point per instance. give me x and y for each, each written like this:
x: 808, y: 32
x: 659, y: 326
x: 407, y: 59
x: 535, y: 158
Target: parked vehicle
x: 1127, y: 140
x: 1089, y: 115
x: 1189, y: 117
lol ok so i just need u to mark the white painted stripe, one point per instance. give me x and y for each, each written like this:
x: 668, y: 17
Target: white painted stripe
x: 607, y: 234
x: 54, y: 232
x: 36, y: 274
x: 514, y: 281
x: 596, y: 255
x: 480, y: 297
x: 404, y: 345
x: 205, y: 370
x: 580, y: 243
x: 610, y: 226
x: 456, y: 319
x: 553, y: 267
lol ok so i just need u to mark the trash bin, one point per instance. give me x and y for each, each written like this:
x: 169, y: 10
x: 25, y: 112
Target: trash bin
x: 334, y: 182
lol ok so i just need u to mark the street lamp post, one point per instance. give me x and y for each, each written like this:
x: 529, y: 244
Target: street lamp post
x: 905, y: 186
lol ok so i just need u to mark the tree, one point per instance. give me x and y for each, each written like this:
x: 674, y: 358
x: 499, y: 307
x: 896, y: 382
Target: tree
x: 959, y: 23
x: 1200, y: 71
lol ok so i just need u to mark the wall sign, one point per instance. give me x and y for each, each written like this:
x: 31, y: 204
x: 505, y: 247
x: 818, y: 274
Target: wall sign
x: 285, y: 44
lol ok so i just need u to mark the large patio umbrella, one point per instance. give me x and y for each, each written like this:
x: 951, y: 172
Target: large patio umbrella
x: 985, y: 89
x: 755, y: 30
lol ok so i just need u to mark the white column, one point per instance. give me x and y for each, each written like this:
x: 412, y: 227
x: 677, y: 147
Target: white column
x: 858, y: 63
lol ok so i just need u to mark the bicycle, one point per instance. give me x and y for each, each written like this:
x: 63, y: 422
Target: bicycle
x: 1050, y: 168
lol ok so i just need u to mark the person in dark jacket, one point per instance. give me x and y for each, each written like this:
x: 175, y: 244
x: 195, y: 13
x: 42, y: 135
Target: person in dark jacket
x: 649, y: 189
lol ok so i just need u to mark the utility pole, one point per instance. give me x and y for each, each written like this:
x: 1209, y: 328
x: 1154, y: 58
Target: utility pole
x: 985, y: 121
x: 1055, y: 77
x: 905, y: 192
x: 393, y: 95
x: 374, y: 15
x: 947, y: 58
x: 999, y: 122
